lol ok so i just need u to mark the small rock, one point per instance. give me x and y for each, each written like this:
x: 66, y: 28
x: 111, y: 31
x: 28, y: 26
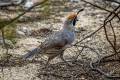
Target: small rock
x: 28, y: 4
x: 74, y: 0
x: 20, y: 34
x: 23, y: 32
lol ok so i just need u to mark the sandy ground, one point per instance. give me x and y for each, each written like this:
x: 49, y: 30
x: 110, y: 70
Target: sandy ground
x: 90, y: 19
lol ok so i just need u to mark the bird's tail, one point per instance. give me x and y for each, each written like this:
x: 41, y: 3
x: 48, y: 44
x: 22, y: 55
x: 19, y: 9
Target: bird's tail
x: 31, y: 53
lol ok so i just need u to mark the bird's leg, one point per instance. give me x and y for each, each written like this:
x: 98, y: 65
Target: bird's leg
x: 47, y: 63
x: 49, y: 59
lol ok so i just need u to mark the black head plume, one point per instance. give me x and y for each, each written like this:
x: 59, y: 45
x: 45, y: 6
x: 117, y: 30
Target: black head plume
x: 75, y: 20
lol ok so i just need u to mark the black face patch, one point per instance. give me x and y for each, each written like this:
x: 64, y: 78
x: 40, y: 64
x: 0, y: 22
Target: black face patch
x: 74, y: 21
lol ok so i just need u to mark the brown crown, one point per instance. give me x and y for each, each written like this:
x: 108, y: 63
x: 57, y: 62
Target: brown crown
x: 71, y: 16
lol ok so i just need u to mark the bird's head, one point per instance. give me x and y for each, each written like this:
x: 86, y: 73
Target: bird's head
x: 71, y: 19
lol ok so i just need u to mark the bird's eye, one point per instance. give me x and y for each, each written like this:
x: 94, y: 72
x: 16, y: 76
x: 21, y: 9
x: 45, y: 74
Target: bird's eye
x: 74, y: 21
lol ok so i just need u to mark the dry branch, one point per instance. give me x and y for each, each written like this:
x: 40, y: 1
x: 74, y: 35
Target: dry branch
x: 112, y: 15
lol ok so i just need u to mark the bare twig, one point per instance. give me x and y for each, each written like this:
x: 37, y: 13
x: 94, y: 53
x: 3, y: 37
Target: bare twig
x: 102, y: 8
x: 96, y: 5
x: 102, y: 72
x: 16, y: 18
x: 108, y: 19
x: 89, y: 35
x: 105, y: 22
x: 80, y: 51
x: 55, y: 75
x: 113, y: 1
x: 113, y: 34
x: 113, y: 46
x: 91, y: 49
x: 4, y: 43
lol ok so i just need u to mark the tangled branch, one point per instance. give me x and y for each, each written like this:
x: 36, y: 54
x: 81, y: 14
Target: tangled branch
x: 112, y: 15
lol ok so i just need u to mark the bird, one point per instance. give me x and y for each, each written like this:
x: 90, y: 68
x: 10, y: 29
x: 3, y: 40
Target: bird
x: 57, y: 43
